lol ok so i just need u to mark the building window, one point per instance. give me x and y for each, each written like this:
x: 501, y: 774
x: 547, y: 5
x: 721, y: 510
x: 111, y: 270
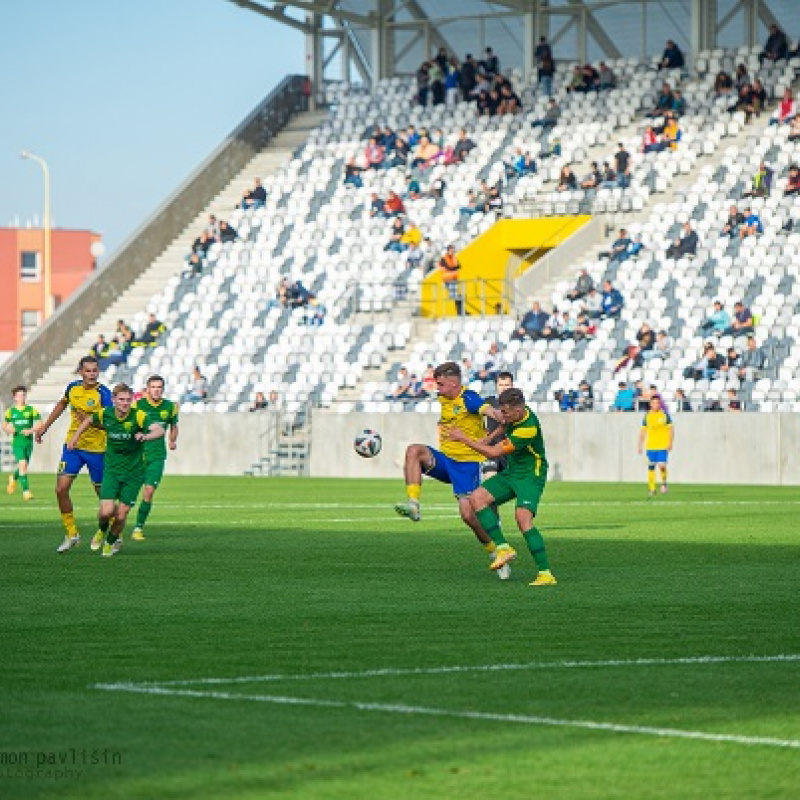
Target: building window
x: 29, y: 265
x: 30, y: 322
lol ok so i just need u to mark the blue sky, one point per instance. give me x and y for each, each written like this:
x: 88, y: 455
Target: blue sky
x: 124, y: 98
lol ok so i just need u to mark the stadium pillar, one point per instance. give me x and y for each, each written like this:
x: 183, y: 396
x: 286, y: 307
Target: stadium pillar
x: 703, y: 26
x: 315, y: 66
x: 531, y: 33
x: 380, y: 33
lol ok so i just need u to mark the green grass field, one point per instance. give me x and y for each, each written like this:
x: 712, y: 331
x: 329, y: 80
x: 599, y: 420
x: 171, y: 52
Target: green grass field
x: 294, y: 638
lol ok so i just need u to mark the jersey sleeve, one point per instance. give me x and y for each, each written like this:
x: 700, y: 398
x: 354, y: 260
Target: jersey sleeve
x: 667, y: 419
x: 473, y: 402
x: 141, y: 420
x: 97, y: 418
x: 173, y: 418
x: 68, y: 390
x: 105, y: 396
x: 35, y: 414
x: 644, y: 421
x: 7, y: 415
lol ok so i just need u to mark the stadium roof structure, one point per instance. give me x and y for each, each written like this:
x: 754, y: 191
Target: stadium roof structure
x: 366, y: 40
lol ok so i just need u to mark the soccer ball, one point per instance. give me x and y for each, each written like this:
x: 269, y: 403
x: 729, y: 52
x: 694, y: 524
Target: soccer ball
x: 368, y: 444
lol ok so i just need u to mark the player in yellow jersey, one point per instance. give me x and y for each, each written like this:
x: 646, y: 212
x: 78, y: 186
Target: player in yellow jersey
x: 454, y: 462
x: 655, y: 438
x: 83, y: 398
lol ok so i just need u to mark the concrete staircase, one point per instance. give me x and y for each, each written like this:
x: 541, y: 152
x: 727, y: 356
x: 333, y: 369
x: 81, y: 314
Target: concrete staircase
x: 172, y: 261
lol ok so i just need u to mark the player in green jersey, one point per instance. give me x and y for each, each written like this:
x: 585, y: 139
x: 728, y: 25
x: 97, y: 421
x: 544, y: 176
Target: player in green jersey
x: 21, y: 423
x: 123, y: 472
x: 165, y: 413
x: 524, y: 478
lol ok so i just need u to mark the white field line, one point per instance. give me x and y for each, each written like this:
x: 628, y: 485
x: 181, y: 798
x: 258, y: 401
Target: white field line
x: 674, y: 733
x: 445, y: 670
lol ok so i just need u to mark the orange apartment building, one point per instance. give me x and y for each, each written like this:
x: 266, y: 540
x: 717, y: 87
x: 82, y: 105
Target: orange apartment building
x: 22, y: 301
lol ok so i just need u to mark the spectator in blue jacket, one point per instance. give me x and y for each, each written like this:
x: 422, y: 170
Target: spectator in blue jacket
x: 532, y: 324
x: 612, y: 301
x: 672, y: 57
x: 718, y: 322
x: 625, y: 399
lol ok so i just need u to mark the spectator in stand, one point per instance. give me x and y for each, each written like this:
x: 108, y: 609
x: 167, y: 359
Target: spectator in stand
x: 399, y: 156
x: 584, y: 327
x: 452, y: 81
x: 510, y: 102
x: 436, y: 82
x: 374, y: 154
x: 546, y: 71
x: 682, y: 403
x: 227, y: 233
x: 473, y: 205
x: 256, y: 197
x: 622, y: 162
x: 734, y: 403
x: 661, y: 347
x: 411, y: 236
x: 315, y: 312
x: 679, y: 104
x: 377, y: 207
x: 591, y: 78
x: 752, y: 361
x: 124, y: 335
x: 100, y: 347
x: 608, y: 178
x: 423, y: 84
x: 543, y: 50
x: 686, y: 245
x: 762, y: 182
x: 625, y: 399
x: 593, y: 179
x: 426, y: 154
x: 786, y: 110
x: 551, y: 116
x: 297, y: 296
x: 464, y: 146
x: 651, y: 143
x: 568, y: 325
x: 212, y: 229
x: 723, y: 84
x: 707, y: 366
x: 793, y: 181
x: 718, y: 321
x: 281, y: 299
x: 413, y: 189
x: 794, y: 129
x: 731, y: 226
x: 612, y: 301
x: 777, y: 46
x: 742, y: 77
x: 576, y: 82
x: 352, y: 174
x: 585, y: 398
x: 552, y: 326
x: 593, y: 304
x: 395, y: 236
x: 732, y: 362
x: 532, y: 323
x: 393, y: 205
x: 260, y: 403
x: 672, y: 57
x: 566, y: 399
x: 490, y: 63
x: 202, y: 244
x: 198, y: 391
x: 743, y: 322
x: 583, y: 285
x: 619, y: 249
x: 468, y: 77
x: 495, y: 202
x: 114, y: 355
x: 752, y: 224
x: 152, y: 332
x: 606, y: 79
x: 664, y: 103
x: 488, y: 103
x: 567, y: 182
x: 671, y: 133
x: 449, y: 268
x: 490, y: 365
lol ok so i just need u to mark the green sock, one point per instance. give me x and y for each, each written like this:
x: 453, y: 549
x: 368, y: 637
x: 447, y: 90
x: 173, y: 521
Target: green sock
x: 490, y: 522
x: 103, y: 525
x: 16, y: 474
x: 535, y: 544
x: 143, y: 513
x: 111, y: 537
x: 23, y: 479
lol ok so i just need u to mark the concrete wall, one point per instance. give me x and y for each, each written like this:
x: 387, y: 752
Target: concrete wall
x: 709, y: 448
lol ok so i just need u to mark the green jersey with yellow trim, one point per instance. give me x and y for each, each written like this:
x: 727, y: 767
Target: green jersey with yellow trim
x: 22, y: 419
x: 124, y: 454
x: 166, y: 415
x: 524, y: 448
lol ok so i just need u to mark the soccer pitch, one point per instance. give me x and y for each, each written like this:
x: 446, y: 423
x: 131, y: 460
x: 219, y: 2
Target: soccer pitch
x: 294, y: 638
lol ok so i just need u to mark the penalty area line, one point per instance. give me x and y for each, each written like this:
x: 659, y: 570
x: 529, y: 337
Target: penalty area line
x: 520, y: 719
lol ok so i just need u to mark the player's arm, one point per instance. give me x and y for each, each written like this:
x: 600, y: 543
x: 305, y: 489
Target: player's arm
x: 155, y: 431
x: 474, y: 403
x: 173, y: 436
x: 7, y: 426
x: 491, y: 412
x: 85, y: 424
x: 671, y: 437
x: 642, y: 436
x: 58, y: 410
x: 488, y: 450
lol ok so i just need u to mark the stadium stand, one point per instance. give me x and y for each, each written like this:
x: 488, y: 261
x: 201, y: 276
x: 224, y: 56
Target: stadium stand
x: 317, y: 229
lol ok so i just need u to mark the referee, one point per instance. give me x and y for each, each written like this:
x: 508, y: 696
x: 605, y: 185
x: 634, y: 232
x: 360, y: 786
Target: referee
x: 505, y: 380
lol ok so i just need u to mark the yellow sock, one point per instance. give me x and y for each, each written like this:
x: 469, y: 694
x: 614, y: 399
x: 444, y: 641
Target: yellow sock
x: 651, y: 480
x: 68, y: 521
x: 663, y: 474
x: 414, y: 490
x: 490, y: 548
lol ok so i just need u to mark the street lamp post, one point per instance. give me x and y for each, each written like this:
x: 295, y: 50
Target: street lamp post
x: 48, y: 295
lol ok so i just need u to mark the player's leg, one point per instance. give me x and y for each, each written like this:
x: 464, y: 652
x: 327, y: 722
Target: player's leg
x: 485, y: 500
x: 127, y: 492
x: 662, y: 466
x: 651, y: 473
x: 68, y: 469
x: 528, y: 493
x: 22, y: 469
x: 105, y: 515
x: 12, y: 478
x: 154, y: 471
x: 419, y: 459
